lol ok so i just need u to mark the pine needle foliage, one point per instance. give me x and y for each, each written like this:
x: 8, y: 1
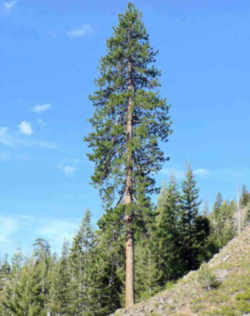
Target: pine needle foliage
x: 129, y: 62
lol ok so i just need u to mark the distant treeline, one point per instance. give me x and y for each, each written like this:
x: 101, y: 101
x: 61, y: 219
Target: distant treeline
x: 87, y: 279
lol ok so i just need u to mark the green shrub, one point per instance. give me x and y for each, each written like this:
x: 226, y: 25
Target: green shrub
x: 207, y: 278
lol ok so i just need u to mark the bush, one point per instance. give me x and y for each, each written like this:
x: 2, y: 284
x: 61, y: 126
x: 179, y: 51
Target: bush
x: 207, y: 278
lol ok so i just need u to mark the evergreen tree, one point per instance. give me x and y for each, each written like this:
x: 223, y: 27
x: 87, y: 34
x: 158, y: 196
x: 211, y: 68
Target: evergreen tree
x: 194, y: 229
x: 247, y: 214
x: 42, y: 257
x: 17, y: 261
x: 147, y: 273
x: 245, y: 197
x: 216, y: 211
x: 146, y: 270
x: 217, y: 205
x: 129, y: 120
x: 111, y: 254
x: 244, y: 206
x: 61, y: 289
x: 5, y: 276
x: 205, y: 211
x: 25, y: 296
x: 80, y: 261
x: 5, y: 266
x: 167, y: 235
x: 222, y: 220
x: 16, y: 297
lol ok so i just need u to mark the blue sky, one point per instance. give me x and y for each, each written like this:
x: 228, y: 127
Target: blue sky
x: 49, y: 54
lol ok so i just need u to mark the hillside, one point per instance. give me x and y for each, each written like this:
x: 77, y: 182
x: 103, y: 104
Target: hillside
x: 219, y: 288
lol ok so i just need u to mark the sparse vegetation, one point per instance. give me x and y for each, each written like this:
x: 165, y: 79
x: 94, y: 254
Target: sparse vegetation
x: 189, y: 296
x: 207, y: 278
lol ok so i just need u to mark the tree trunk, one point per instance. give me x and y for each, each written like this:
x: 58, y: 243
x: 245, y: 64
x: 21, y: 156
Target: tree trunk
x: 128, y: 198
x: 129, y: 265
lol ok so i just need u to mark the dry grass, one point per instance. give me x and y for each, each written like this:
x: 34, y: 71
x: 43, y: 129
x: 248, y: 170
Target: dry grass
x: 219, y: 288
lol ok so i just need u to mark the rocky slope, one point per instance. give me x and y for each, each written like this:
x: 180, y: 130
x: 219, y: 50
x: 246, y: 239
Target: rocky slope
x: 219, y: 288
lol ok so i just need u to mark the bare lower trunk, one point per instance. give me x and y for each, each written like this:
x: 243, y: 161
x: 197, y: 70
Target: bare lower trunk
x: 129, y: 266
x: 128, y: 198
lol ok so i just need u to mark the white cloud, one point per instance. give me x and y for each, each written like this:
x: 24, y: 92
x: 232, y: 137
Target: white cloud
x: 82, y: 31
x: 68, y: 170
x: 9, y: 5
x: 40, y: 108
x: 180, y: 173
x: 8, y: 226
x: 43, y: 144
x: 41, y: 122
x: 20, y: 231
x: 25, y: 128
x: 68, y: 166
x: 7, y: 138
x: 201, y: 172
x: 56, y: 231
x: 177, y: 173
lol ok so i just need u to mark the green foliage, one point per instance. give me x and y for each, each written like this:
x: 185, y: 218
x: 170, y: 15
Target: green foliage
x: 61, y: 287
x: 146, y: 269
x: 207, y: 279
x: 222, y: 221
x: 80, y: 261
x: 244, y: 301
x: 88, y: 279
x: 129, y: 122
x: 171, y: 239
x: 247, y: 215
x: 240, y: 304
x: 24, y: 294
x: 129, y: 45
x: 194, y: 229
x: 167, y: 234
x: 245, y: 197
x: 107, y: 269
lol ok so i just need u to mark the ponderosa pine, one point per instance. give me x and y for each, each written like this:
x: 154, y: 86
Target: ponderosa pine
x: 130, y: 119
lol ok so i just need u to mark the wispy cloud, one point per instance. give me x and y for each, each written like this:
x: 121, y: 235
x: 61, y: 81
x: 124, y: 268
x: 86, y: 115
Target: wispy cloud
x: 5, y: 138
x: 229, y: 173
x: 10, y: 139
x: 41, y: 122
x: 9, y: 5
x: 8, y: 226
x: 43, y: 144
x: 177, y: 173
x: 68, y: 166
x: 25, y: 128
x: 10, y: 155
x: 81, y: 31
x: 201, y: 172
x: 180, y: 173
x: 27, y: 228
x: 40, y: 108
x: 4, y: 156
x: 56, y: 231
x: 68, y: 170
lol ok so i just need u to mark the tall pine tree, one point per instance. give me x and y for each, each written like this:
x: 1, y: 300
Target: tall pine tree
x: 130, y: 119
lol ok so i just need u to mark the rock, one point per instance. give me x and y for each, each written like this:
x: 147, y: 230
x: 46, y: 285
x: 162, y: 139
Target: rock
x: 225, y: 258
x: 221, y: 274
